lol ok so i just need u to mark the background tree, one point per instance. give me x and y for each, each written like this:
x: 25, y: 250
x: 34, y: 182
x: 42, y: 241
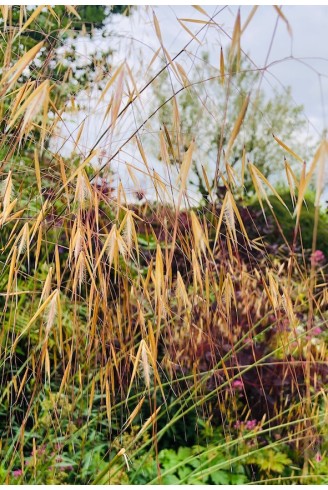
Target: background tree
x: 208, y: 110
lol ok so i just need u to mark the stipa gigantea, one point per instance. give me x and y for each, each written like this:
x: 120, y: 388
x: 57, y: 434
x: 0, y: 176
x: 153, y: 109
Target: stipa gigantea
x: 83, y: 190
x: 6, y: 190
x: 292, y: 181
x: 159, y: 276
x: 183, y: 76
x: 51, y: 313
x: 258, y: 178
x: 23, y: 243
x: 110, y: 82
x: 31, y: 18
x: 40, y: 218
x: 237, y: 126
x: 189, y: 32
x: 198, y: 234
x: 79, y: 272
x: 117, y: 98
x: 235, y: 50
x: 289, y: 150
x: 72, y: 10
x: 11, y: 76
x: 273, y: 292
x: 47, y: 286
x: 181, y: 291
x: 231, y: 175
x: 12, y: 274
x: 283, y: 17
x: 33, y: 319
x: 197, y: 272
x: 164, y: 152
x: 320, y: 181
x: 114, y: 246
x: 133, y: 414
x: 77, y: 242
x: 249, y: 18
x: 185, y: 166
x: 129, y: 233
x: 222, y: 70
x: 228, y: 212
x: 37, y: 100
x: 228, y: 291
x: 286, y: 302
x: 5, y: 13
x: 145, y: 366
x: 6, y: 216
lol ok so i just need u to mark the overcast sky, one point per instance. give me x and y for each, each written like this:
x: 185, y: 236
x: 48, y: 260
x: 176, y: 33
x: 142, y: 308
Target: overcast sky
x: 306, y: 73
x: 295, y: 57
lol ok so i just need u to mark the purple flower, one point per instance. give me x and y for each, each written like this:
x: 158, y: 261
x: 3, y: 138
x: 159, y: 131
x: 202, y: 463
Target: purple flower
x: 17, y: 473
x: 317, y: 257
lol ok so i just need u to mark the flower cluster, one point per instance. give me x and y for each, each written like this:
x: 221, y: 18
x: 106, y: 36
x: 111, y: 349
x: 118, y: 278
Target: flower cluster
x: 317, y: 258
x: 249, y: 425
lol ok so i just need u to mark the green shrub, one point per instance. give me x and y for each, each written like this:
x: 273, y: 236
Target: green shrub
x: 287, y: 221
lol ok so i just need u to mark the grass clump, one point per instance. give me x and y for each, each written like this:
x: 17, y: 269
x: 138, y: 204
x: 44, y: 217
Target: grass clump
x: 150, y: 342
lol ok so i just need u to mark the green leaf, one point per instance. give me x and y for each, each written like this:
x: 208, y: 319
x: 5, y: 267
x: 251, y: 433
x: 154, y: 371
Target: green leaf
x: 171, y: 480
x: 220, y: 477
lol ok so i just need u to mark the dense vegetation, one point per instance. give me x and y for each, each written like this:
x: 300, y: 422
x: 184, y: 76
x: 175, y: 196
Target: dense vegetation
x: 152, y: 341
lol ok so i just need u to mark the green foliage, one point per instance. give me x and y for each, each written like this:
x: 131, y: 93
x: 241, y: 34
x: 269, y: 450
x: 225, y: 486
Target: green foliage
x: 178, y: 466
x: 271, y: 461
x: 288, y: 222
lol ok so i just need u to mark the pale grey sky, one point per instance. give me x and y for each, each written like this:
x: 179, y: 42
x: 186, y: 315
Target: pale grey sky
x: 299, y: 60
x: 306, y: 73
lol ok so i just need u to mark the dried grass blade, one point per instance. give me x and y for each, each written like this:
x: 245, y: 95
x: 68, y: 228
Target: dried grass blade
x: 222, y: 70
x: 290, y: 151
x: 189, y: 32
x: 235, y: 42
x: 200, y: 10
x: 134, y: 413
x: 35, y: 316
x: 73, y: 11
x: 237, y: 126
x: 148, y: 422
x: 249, y: 18
x: 29, y: 21
x: 15, y: 72
x: 110, y: 82
x: 283, y: 17
x: 185, y: 166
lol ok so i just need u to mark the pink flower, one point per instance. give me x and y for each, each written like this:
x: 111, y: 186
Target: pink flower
x: 251, y: 424
x: 237, y: 384
x: 318, y: 457
x: 316, y: 331
x: 17, y: 473
x: 317, y: 257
